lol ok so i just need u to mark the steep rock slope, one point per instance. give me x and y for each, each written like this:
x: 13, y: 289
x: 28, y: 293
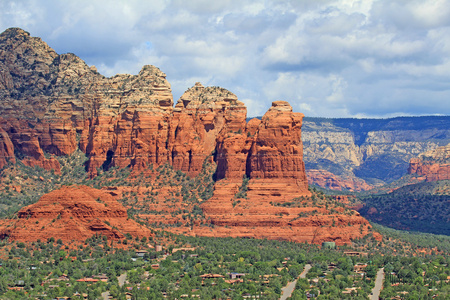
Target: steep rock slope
x: 6, y: 149
x: 72, y: 214
x: 433, y: 165
x: 55, y: 103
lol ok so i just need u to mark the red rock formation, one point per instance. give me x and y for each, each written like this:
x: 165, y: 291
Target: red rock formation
x: 270, y: 153
x: 200, y: 116
x: 54, y: 104
x: 26, y: 142
x: 51, y: 100
x: 270, y: 149
x: 277, y: 152
x: 261, y: 214
x: 331, y: 181
x: 434, y: 165
x: 73, y: 213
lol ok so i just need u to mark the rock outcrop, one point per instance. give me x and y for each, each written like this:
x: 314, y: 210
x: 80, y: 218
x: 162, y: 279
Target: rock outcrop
x: 270, y: 149
x: 56, y: 103
x: 201, y: 115
x: 433, y: 165
x: 267, y: 211
x: 334, y: 182
x: 73, y: 213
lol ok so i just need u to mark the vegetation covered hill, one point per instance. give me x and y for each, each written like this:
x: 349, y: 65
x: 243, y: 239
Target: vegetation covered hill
x: 421, y: 207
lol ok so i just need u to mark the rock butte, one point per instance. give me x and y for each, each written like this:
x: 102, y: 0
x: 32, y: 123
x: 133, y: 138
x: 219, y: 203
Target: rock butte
x: 73, y: 213
x: 55, y: 104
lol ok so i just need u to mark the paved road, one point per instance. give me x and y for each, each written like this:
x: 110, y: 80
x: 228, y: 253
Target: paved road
x: 121, y: 279
x: 105, y: 295
x: 305, y: 271
x: 378, y: 285
x: 289, y: 288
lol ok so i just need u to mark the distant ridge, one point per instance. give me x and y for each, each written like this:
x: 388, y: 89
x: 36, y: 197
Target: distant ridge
x: 374, y: 150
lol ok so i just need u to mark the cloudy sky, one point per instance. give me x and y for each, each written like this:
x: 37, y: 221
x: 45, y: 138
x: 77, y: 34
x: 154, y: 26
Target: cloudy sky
x: 347, y: 58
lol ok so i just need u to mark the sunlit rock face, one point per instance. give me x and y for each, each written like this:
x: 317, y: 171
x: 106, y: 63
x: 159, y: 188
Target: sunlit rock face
x: 433, y: 165
x: 73, y: 213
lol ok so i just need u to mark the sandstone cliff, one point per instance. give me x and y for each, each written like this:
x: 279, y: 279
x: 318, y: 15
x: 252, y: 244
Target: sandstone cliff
x: 73, y: 214
x: 6, y: 149
x: 433, y: 165
x: 55, y: 104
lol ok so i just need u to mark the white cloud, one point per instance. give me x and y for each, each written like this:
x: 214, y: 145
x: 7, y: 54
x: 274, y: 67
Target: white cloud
x: 327, y: 57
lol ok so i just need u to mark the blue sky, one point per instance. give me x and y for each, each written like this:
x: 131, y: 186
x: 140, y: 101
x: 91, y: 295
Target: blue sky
x: 349, y: 58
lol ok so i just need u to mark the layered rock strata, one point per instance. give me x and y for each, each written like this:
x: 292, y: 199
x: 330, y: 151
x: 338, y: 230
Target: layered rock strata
x: 55, y: 104
x: 377, y: 151
x: 433, y: 165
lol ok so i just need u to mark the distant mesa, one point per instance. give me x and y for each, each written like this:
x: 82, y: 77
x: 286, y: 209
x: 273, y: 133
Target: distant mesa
x: 334, y: 182
x: 367, y: 153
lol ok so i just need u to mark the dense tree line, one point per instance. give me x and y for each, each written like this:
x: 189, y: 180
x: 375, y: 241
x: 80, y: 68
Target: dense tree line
x: 416, y: 208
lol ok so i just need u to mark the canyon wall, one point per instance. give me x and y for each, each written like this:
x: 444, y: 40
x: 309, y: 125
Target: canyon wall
x: 433, y: 165
x: 361, y: 153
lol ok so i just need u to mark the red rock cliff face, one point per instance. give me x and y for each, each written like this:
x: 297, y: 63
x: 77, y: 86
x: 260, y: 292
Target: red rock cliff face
x: 268, y: 151
x: 277, y: 152
x: 56, y: 104
x: 433, y: 165
x: 200, y: 116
